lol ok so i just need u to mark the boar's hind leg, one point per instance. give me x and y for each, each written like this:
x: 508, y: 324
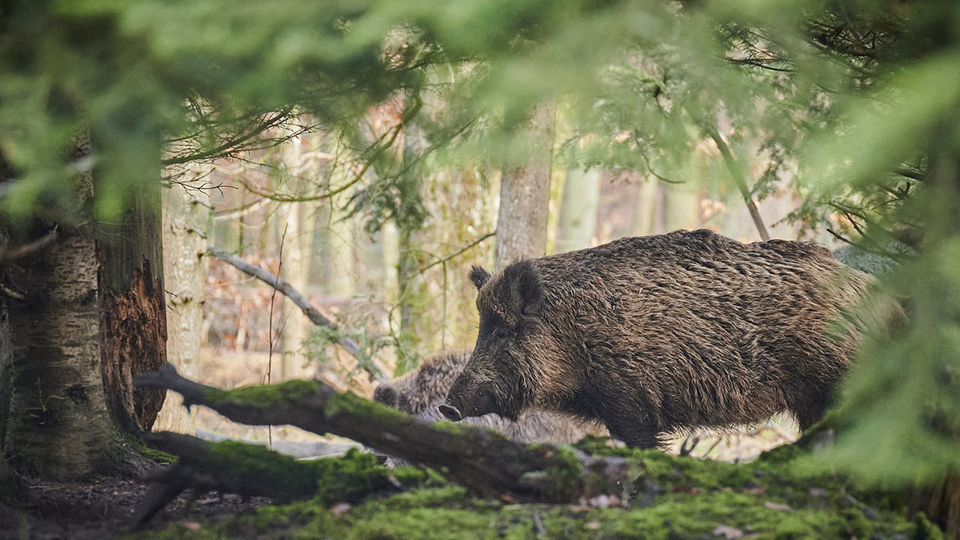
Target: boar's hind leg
x: 811, y: 408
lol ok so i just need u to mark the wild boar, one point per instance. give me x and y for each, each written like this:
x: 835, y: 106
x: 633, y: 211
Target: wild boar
x: 422, y: 390
x: 658, y: 334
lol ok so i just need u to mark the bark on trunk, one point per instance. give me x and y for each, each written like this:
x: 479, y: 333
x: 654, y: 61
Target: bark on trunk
x: 525, y: 195
x: 295, y: 267
x: 410, y: 283
x: 578, y: 209
x: 133, y: 310
x: 58, y: 423
x: 9, y: 486
x: 941, y: 503
x: 644, y: 214
x: 186, y: 223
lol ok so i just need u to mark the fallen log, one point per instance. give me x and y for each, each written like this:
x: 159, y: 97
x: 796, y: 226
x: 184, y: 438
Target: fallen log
x: 481, y: 460
x: 252, y: 470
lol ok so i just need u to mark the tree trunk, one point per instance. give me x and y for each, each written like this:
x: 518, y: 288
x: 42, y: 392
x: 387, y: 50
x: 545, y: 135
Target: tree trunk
x: 525, y: 195
x: 682, y: 205
x: 132, y: 308
x: 410, y: 284
x: 58, y: 423
x: 186, y: 223
x: 578, y: 209
x: 644, y: 214
x: 296, y: 261
x: 9, y: 487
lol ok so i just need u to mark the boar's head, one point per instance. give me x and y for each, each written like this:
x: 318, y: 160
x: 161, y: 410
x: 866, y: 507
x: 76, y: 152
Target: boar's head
x: 503, y: 374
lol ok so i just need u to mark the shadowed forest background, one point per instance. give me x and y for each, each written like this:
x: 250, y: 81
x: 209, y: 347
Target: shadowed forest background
x: 369, y: 154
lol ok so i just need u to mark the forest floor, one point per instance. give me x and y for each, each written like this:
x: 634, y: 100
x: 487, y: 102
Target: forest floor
x: 103, y: 508
x: 666, y: 497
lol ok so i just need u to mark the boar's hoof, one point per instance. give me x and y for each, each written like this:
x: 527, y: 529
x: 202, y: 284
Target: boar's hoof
x: 451, y: 413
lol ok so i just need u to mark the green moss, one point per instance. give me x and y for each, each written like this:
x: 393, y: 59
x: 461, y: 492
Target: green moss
x: 348, y: 401
x: 565, y: 474
x: 673, y: 498
x: 350, y: 477
x: 439, y: 497
x: 265, y: 395
x: 448, y: 513
x: 125, y: 441
x: 410, y: 477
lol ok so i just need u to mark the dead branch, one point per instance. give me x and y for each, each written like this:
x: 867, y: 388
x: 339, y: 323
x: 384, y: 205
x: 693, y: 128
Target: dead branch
x: 481, y: 460
x: 376, y: 370
x: 458, y: 252
x: 12, y: 255
x: 738, y: 178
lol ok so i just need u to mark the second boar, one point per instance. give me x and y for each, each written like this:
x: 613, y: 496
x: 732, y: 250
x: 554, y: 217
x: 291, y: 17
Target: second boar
x: 422, y: 390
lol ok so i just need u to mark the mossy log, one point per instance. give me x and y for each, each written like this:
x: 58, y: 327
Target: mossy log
x: 252, y: 470
x: 483, y: 461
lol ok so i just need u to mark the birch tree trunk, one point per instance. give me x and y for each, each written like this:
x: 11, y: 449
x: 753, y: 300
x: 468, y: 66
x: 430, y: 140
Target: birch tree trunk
x: 186, y: 226
x: 57, y: 424
x: 525, y: 195
x: 578, y: 209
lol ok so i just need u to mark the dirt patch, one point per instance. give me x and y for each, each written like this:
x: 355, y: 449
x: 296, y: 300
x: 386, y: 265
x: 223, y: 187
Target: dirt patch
x: 102, y: 509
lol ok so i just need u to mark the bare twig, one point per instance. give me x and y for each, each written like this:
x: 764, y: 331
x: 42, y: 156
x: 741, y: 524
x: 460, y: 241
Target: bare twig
x: 316, y: 316
x: 232, y: 144
x: 458, y: 252
x: 11, y: 255
x: 739, y: 178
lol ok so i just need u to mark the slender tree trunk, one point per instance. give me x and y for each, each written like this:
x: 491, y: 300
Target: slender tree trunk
x: 682, y: 206
x: 296, y: 261
x: 644, y: 214
x: 578, y: 209
x: 525, y: 195
x: 132, y: 306
x: 186, y: 225
x: 410, y: 284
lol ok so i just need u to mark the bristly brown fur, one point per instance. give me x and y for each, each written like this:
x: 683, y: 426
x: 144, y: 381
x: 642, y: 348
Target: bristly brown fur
x: 422, y: 390
x: 654, y: 334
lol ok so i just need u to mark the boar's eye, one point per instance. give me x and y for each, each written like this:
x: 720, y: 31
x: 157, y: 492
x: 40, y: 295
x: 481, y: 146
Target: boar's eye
x: 490, y: 323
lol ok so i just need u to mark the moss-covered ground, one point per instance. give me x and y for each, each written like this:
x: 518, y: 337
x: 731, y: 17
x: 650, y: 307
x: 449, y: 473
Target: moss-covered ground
x: 669, y: 497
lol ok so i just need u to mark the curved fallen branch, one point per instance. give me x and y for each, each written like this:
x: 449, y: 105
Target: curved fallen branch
x: 481, y: 460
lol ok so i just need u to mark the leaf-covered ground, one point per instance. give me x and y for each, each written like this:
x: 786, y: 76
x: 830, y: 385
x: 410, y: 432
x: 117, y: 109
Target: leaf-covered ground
x: 670, y: 497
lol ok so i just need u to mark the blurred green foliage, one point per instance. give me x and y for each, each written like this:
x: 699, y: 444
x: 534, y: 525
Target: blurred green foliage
x: 856, y: 103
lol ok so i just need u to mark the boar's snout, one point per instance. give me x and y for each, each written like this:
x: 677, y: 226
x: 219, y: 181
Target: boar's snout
x: 468, y: 399
x: 451, y: 413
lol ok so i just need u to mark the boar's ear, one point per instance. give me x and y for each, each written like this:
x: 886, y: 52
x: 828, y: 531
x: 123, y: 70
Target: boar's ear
x: 479, y: 276
x: 524, y: 292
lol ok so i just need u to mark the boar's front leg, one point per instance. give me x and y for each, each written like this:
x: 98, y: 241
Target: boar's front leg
x: 634, y: 432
